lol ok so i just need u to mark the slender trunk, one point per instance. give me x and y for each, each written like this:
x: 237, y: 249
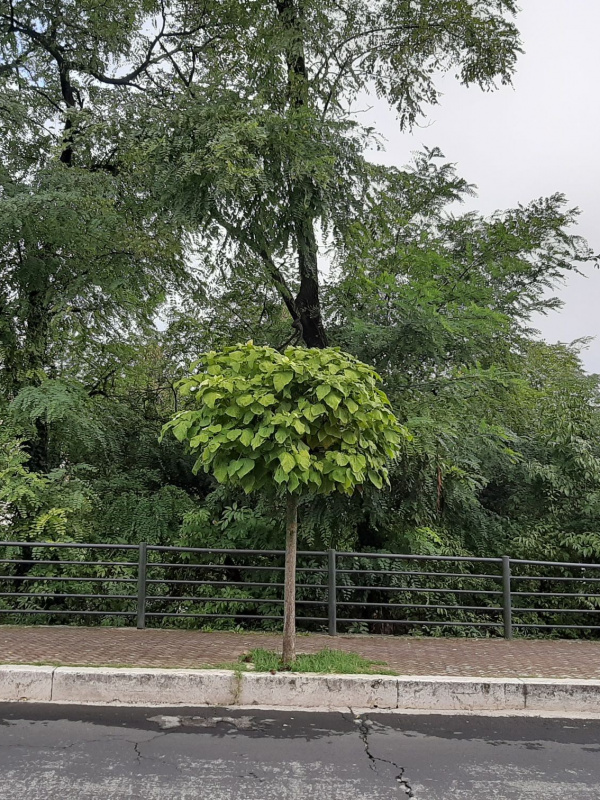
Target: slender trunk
x: 289, y: 613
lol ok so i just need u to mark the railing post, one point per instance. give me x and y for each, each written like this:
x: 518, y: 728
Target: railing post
x: 506, y: 598
x: 332, y: 596
x: 141, y: 586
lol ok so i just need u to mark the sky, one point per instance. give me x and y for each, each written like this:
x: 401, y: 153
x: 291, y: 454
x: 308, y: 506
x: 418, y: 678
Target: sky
x: 538, y: 137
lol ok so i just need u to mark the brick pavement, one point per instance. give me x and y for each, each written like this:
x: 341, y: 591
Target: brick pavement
x: 193, y: 649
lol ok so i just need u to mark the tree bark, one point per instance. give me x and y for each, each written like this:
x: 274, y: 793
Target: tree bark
x: 289, y: 597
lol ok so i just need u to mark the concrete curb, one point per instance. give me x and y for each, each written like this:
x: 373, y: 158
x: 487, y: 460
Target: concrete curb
x: 26, y: 683
x: 165, y: 687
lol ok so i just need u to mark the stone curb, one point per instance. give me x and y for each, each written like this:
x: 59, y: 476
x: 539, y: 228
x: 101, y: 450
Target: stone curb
x: 166, y: 687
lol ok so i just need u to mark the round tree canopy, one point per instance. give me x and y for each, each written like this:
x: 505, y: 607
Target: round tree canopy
x: 306, y: 420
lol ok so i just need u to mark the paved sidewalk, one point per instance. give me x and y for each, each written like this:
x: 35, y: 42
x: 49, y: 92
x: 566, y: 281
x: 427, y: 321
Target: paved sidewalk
x: 195, y: 649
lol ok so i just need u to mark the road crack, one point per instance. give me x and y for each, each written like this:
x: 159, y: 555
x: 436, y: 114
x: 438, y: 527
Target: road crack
x: 364, y: 726
x: 137, y: 744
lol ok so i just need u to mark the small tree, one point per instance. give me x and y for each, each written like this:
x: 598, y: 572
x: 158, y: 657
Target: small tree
x: 299, y: 422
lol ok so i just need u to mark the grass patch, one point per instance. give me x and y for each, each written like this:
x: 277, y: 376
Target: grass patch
x: 325, y: 662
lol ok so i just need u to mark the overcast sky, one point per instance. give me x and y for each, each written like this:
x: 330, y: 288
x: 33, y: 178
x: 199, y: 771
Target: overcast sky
x: 538, y: 137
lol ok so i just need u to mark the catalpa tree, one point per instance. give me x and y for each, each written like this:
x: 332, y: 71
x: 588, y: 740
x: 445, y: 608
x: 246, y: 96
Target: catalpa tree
x: 306, y: 421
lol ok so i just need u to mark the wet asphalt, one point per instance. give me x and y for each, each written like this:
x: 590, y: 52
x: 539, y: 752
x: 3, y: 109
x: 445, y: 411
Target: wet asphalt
x: 50, y: 752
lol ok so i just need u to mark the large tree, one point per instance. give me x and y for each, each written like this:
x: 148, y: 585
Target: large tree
x: 264, y: 153
x: 248, y: 108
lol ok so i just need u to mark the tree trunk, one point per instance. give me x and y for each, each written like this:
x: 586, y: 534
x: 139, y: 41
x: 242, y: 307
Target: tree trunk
x: 308, y: 303
x: 289, y: 611
x: 35, y: 357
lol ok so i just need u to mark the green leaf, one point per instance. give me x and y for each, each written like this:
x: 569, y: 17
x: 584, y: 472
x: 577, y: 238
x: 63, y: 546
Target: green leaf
x: 279, y: 475
x: 180, y: 430
x: 267, y: 400
x: 248, y: 483
x: 265, y: 431
x: 333, y: 400
x: 299, y: 426
x: 375, y: 478
x: 314, y: 411
x: 210, y: 398
x: 197, y: 465
x: 287, y: 461
x: 220, y: 471
x: 247, y: 465
x: 343, y: 415
x: 281, y: 380
x: 233, y: 467
x: 246, y: 437
x: 323, y: 390
x: 315, y: 477
x: 245, y: 400
x: 303, y: 459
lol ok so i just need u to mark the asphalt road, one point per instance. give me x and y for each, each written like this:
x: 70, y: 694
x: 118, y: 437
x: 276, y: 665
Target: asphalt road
x: 52, y: 752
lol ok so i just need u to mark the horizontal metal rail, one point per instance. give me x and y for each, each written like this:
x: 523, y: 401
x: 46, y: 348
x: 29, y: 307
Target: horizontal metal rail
x: 199, y: 599
x: 231, y: 567
x: 452, y: 624
x: 72, y: 545
x: 54, y: 595
x: 555, y: 627
x: 61, y: 611
x: 558, y: 610
x: 416, y: 557
x: 562, y: 564
x: 419, y: 574
x: 553, y: 594
x: 61, y: 562
x: 417, y: 589
x: 230, y: 551
x: 424, y: 605
x: 403, y: 572
x: 238, y: 583
x: 234, y: 616
x: 67, y: 578
x: 574, y: 579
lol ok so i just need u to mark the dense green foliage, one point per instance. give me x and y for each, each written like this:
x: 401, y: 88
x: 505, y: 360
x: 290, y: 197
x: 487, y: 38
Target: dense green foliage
x: 306, y: 420
x: 178, y: 177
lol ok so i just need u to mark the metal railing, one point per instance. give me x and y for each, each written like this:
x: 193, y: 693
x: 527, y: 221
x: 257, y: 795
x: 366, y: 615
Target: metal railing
x: 338, y: 592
